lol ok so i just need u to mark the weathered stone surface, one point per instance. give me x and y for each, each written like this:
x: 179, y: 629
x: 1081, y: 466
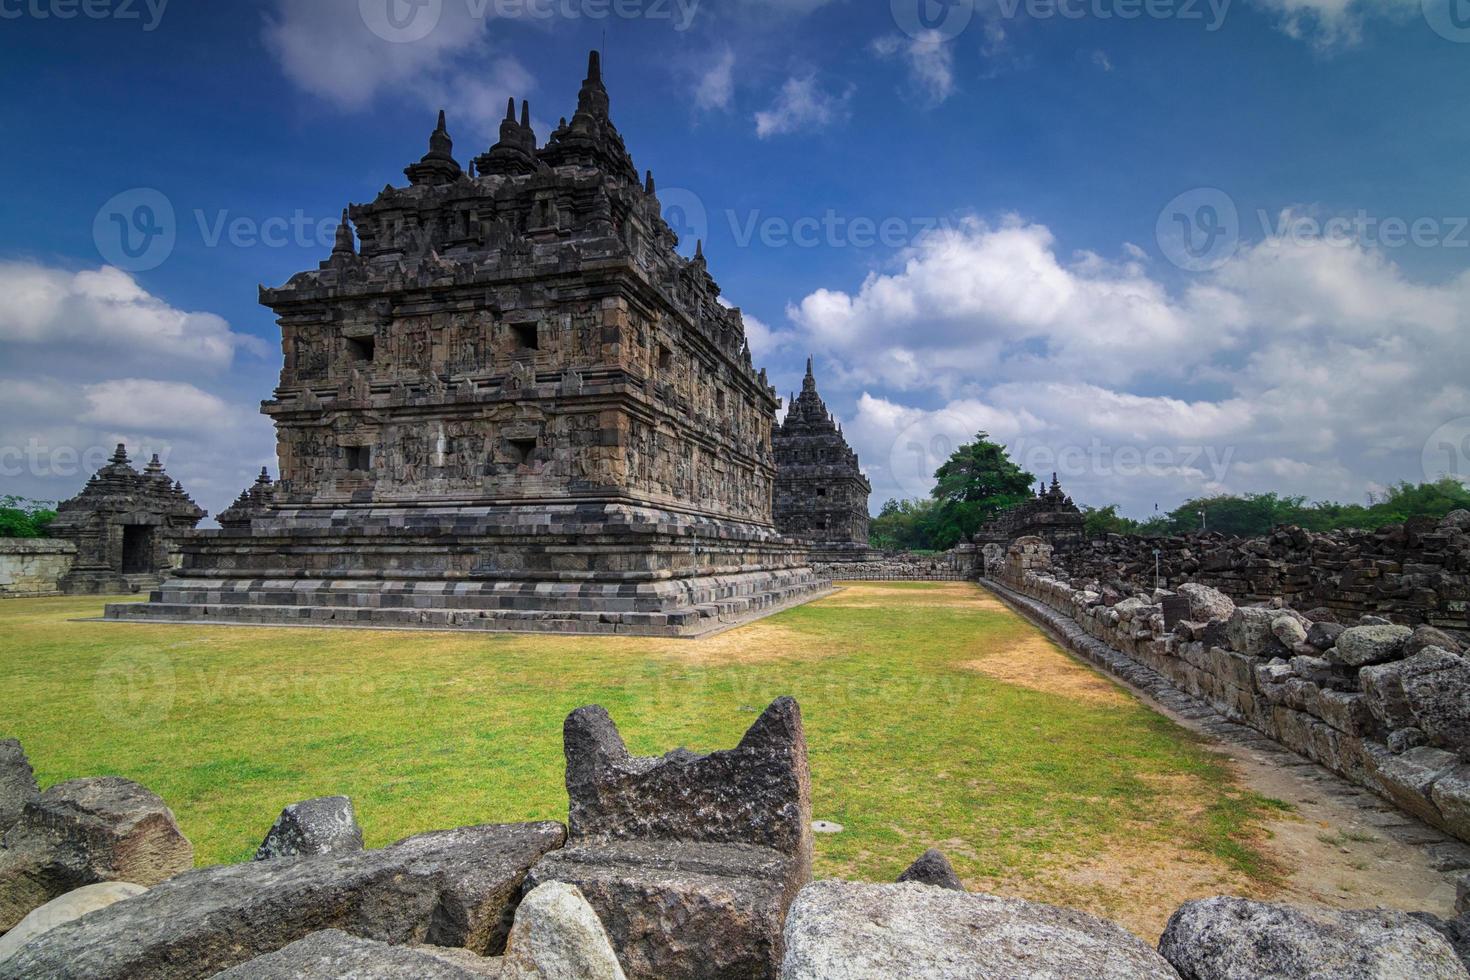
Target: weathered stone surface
x: 59, y: 911
x: 756, y: 793
x: 83, y: 832
x: 1427, y: 636
x: 677, y: 910
x: 1323, y: 635
x: 557, y: 936
x: 17, y: 783
x: 325, y: 825
x: 334, y: 955
x: 933, y: 868
x: 690, y: 861
x: 847, y: 931
x: 1462, y: 895
x: 1455, y: 931
x: 1429, y: 691
x: 1289, y: 631
x: 1250, y: 631
x: 1359, y: 646
x: 1451, y: 797
x: 1237, y: 939
x: 450, y: 888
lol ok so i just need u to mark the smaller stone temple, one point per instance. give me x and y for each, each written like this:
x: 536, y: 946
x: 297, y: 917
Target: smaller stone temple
x: 1050, y: 515
x: 126, y: 527
x: 821, y: 493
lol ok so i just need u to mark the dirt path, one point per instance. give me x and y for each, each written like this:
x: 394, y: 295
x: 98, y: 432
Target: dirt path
x: 1340, y: 846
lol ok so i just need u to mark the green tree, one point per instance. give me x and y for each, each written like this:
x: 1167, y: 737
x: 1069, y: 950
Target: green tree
x: 976, y: 483
x: 22, y: 518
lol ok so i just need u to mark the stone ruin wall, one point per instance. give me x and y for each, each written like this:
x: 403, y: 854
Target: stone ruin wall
x: 1385, y: 706
x: 1417, y: 573
x: 32, y: 567
x: 957, y: 565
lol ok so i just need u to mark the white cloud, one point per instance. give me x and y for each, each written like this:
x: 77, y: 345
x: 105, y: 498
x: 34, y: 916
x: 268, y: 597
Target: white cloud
x: 802, y: 106
x: 47, y: 313
x: 930, y: 62
x: 85, y: 363
x: 1327, y: 24
x: 716, y: 87
x: 1100, y: 59
x: 157, y: 406
x: 327, y: 49
x: 1299, y: 367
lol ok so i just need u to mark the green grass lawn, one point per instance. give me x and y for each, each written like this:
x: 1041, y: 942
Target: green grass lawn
x: 910, y: 744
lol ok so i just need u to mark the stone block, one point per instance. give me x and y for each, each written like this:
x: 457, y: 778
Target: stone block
x: 17, y: 783
x: 1234, y: 938
x: 1360, y: 646
x: 846, y: 929
x: 451, y: 888
x: 932, y: 868
x: 84, y: 832
x: 325, y: 825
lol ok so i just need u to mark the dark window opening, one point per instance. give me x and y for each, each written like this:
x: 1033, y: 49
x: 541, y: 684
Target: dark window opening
x: 360, y: 348
x: 359, y: 458
x: 665, y: 358
x: 521, y: 450
x: 821, y: 491
x: 527, y: 336
x: 137, y: 549
x: 720, y: 400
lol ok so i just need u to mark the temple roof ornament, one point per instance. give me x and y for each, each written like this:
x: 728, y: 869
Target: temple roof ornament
x: 438, y: 166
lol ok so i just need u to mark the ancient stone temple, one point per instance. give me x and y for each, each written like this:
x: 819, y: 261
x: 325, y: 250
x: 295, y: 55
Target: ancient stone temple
x: 821, y: 494
x: 507, y: 402
x: 1050, y: 515
x: 127, y: 527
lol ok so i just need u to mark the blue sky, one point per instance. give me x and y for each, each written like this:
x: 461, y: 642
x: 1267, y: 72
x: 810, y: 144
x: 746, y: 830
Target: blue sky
x: 1200, y: 248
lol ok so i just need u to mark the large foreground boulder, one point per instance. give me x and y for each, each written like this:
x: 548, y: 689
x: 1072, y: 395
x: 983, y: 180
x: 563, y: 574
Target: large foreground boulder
x: 83, y: 832
x: 1425, y: 691
x: 690, y: 861
x: 556, y: 936
x: 450, y: 888
x: 325, y: 825
x: 840, y: 930
x: 1237, y: 939
x: 335, y: 955
x: 67, y: 908
x: 17, y: 783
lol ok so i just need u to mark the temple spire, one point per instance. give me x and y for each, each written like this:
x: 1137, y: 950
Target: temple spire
x: 345, y: 246
x: 594, y: 67
x: 510, y: 109
x: 525, y: 113
x: 438, y: 166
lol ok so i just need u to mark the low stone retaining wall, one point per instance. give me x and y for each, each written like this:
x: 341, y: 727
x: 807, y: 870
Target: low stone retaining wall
x: 1385, y: 706
x: 952, y: 566
x: 33, y: 566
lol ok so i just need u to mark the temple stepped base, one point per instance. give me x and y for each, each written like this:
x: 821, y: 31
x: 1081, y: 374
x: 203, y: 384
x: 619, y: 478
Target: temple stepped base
x: 689, y: 608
